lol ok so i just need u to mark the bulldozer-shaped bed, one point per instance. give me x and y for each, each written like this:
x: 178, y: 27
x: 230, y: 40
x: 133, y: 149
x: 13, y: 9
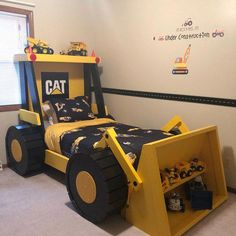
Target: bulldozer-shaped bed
x: 145, y: 207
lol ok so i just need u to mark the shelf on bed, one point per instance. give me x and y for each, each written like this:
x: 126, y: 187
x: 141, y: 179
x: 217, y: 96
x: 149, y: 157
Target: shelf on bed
x: 56, y: 58
x: 182, y: 181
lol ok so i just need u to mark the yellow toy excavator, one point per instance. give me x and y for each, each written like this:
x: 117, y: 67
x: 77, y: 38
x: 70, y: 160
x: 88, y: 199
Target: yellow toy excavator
x: 38, y: 47
x: 180, y: 66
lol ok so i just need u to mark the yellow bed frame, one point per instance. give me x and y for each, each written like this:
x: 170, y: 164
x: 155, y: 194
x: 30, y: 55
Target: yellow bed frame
x: 146, y: 207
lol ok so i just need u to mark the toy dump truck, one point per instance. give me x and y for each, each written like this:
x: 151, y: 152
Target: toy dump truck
x: 76, y: 49
x: 38, y: 46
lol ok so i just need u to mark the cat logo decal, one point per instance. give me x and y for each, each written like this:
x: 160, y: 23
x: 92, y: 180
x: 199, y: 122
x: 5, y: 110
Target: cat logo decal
x: 54, y: 84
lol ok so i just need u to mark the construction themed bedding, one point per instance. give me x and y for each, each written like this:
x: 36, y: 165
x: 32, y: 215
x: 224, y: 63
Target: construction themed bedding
x: 80, y: 137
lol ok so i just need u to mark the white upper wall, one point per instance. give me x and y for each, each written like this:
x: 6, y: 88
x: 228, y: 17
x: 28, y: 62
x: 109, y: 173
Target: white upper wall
x: 60, y: 22
x: 131, y: 59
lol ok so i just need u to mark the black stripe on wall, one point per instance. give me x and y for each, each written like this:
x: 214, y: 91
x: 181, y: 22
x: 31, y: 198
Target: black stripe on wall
x: 173, y: 97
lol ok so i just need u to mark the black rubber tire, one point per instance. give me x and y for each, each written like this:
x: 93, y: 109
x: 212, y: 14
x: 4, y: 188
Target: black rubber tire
x: 26, y: 50
x: 51, y: 51
x: 110, y: 180
x: 200, y: 168
x: 83, y: 53
x: 32, y: 147
x: 189, y: 173
x: 183, y: 174
x: 73, y: 53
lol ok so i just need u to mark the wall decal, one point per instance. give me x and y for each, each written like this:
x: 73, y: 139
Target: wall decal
x: 188, y: 22
x: 218, y: 33
x: 180, y: 65
x: 186, y: 32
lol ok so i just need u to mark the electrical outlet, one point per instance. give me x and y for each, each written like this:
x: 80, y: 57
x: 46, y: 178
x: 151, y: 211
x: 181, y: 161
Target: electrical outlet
x: 1, y: 168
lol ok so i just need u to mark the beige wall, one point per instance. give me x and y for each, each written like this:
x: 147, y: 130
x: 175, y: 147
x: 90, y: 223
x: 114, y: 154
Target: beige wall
x: 132, y: 60
x: 58, y: 23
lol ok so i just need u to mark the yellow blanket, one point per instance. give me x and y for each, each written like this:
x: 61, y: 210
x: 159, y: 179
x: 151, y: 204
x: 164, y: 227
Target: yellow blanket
x: 53, y: 132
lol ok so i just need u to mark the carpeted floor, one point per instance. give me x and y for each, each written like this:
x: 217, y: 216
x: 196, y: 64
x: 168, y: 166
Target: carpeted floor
x: 39, y: 206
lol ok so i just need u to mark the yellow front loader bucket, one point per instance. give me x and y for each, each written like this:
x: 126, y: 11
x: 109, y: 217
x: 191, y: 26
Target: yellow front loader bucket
x: 146, y: 208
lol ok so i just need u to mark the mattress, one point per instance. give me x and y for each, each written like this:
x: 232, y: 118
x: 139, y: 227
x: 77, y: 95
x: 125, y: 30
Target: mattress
x: 80, y: 137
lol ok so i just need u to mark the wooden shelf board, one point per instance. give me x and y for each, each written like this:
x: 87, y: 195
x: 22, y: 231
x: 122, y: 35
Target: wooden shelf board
x: 195, y: 174
x: 181, y: 222
x: 56, y: 58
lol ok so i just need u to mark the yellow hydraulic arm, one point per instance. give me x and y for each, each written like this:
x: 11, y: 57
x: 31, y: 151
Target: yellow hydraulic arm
x: 109, y: 139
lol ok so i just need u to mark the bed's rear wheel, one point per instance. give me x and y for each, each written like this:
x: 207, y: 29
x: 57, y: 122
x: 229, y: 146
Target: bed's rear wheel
x: 96, y: 184
x: 25, y: 149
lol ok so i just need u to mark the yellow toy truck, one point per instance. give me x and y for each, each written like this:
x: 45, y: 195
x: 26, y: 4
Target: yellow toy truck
x: 38, y: 46
x: 184, y: 169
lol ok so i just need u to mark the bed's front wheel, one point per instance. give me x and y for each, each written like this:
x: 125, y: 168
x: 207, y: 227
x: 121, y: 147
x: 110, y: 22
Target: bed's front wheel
x: 96, y: 184
x: 25, y: 149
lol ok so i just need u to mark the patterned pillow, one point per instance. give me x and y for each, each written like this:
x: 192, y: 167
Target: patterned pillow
x: 49, y: 113
x: 71, y: 109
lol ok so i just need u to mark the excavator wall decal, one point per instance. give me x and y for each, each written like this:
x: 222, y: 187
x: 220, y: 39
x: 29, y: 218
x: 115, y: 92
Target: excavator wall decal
x: 180, y: 65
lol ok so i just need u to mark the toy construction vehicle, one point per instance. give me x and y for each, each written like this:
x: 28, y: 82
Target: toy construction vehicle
x: 175, y: 203
x: 180, y: 66
x: 38, y: 47
x: 172, y: 175
x: 76, y: 49
x: 164, y: 181
x: 184, y: 169
x: 197, y: 165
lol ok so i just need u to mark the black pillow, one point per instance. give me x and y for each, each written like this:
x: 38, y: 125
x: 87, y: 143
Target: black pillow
x: 72, y: 109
